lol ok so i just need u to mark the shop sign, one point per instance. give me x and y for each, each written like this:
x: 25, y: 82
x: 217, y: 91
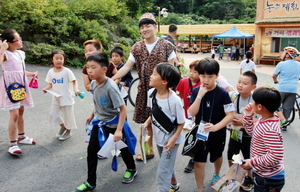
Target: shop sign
x: 282, y: 32
x: 288, y: 6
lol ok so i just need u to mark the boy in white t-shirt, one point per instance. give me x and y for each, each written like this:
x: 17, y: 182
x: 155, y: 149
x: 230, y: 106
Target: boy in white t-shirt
x: 63, y: 82
x: 164, y: 102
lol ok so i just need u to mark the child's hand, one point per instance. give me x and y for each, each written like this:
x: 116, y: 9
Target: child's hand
x: 237, y: 121
x: 3, y: 46
x: 170, y: 144
x: 88, y: 120
x: 247, y: 164
x: 202, y: 91
x: 209, y: 127
x: 118, y: 136
x: 77, y: 92
x: 249, y: 110
x: 45, y: 90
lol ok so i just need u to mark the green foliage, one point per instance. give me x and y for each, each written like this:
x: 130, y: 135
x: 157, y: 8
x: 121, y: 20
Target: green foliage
x: 39, y: 53
x: 50, y: 24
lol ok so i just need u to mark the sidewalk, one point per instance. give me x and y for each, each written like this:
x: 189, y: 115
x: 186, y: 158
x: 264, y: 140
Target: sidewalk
x: 225, y: 63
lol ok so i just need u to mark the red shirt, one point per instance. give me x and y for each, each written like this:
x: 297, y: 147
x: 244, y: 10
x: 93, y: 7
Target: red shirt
x: 183, y: 87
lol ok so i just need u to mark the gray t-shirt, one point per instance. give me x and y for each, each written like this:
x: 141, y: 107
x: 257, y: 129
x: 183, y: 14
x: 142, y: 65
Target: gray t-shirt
x: 107, y: 100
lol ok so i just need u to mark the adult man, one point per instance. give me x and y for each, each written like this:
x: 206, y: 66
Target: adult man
x: 288, y: 70
x: 170, y: 36
x: 146, y: 54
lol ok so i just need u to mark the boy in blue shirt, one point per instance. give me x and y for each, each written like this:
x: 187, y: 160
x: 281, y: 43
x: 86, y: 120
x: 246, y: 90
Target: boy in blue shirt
x: 212, y: 108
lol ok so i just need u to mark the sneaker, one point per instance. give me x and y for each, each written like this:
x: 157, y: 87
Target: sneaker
x: 285, y: 123
x: 129, y: 175
x: 190, y: 166
x: 101, y: 157
x: 61, y: 132
x: 172, y: 188
x: 27, y: 141
x: 85, y: 187
x: 65, y: 136
x: 14, y: 150
x: 215, y: 178
x: 248, y: 184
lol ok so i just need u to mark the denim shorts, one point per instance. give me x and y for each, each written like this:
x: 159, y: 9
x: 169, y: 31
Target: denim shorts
x: 262, y: 184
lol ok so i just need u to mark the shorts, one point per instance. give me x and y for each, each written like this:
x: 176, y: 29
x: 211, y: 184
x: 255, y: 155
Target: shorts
x: 234, y: 147
x: 214, y: 146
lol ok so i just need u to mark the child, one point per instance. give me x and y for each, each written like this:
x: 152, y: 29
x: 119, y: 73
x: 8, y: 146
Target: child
x: 213, y: 52
x: 117, y: 55
x: 186, y: 85
x: 240, y: 140
x: 266, y: 154
x: 164, y: 77
x: 109, y: 106
x: 13, y: 66
x: 90, y: 47
x: 211, y: 106
x: 247, y: 64
x: 62, y: 80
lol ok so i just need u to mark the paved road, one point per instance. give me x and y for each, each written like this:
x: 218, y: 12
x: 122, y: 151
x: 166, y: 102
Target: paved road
x: 59, y: 166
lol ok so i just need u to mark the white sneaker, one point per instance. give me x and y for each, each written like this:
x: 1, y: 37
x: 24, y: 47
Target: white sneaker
x: 14, y: 150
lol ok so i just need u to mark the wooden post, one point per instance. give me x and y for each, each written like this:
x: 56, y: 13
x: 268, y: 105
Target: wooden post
x: 200, y: 46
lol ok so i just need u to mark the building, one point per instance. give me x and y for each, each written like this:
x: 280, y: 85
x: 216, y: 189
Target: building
x: 277, y: 26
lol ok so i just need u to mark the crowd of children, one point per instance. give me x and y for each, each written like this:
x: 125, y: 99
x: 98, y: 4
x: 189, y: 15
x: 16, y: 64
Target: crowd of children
x: 205, y: 101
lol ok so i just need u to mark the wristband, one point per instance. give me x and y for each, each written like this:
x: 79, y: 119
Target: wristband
x: 198, y: 97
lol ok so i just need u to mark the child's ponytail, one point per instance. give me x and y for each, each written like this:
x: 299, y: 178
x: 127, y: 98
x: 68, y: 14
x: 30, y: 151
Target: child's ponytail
x: 248, y: 56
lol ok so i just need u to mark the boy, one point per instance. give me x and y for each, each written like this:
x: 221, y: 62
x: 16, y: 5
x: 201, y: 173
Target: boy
x: 266, y: 155
x: 146, y: 54
x: 186, y: 85
x: 212, y: 104
x: 239, y: 139
x: 117, y: 55
x: 164, y: 77
x: 90, y: 47
x: 109, y: 106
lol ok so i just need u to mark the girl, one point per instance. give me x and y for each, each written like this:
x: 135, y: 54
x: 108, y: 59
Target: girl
x: 164, y: 77
x: 62, y: 81
x: 247, y: 64
x: 90, y: 47
x: 13, y: 67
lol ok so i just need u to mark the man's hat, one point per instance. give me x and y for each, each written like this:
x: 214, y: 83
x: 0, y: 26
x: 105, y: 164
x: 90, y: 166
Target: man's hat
x: 148, y: 16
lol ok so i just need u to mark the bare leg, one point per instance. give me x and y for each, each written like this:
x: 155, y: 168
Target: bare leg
x: 218, y: 164
x: 150, y: 141
x: 13, y: 124
x: 20, y: 123
x: 199, y: 171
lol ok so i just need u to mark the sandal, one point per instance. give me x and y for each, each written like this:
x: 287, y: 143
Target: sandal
x: 14, y: 150
x: 26, y: 140
x: 139, y: 157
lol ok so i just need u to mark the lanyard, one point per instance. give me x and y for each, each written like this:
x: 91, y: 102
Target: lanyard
x: 238, y: 103
x: 212, y: 107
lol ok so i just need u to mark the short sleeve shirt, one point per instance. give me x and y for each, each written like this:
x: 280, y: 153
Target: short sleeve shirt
x: 107, y: 100
x: 173, y: 108
x: 62, y: 83
x: 288, y: 72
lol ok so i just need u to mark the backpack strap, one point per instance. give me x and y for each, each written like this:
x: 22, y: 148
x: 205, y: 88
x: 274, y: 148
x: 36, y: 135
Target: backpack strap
x: 159, y: 118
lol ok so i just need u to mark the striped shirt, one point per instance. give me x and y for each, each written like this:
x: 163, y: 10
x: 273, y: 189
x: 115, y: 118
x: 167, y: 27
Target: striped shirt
x: 267, y: 150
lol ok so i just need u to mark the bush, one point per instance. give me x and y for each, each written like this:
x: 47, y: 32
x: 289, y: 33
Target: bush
x: 40, y: 54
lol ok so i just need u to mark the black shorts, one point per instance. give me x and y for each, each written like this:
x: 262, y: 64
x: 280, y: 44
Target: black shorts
x: 214, y: 146
x: 234, y: 147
